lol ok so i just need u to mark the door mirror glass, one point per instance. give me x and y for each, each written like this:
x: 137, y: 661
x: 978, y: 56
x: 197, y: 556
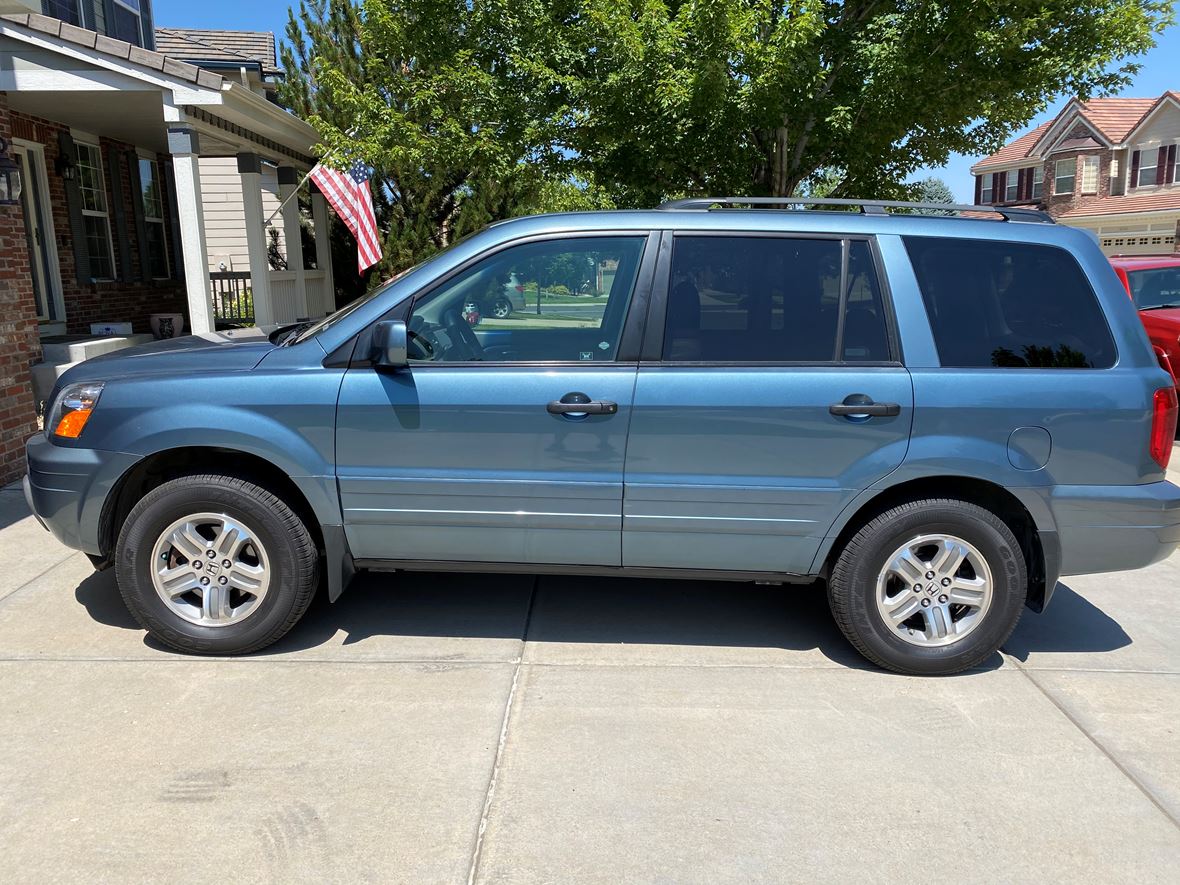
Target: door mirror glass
x: 389, y: 345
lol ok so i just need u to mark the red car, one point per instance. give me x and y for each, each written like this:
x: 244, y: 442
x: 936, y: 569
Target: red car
x: 1153, y: 282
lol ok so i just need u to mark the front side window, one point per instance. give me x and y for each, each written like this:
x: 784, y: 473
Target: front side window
x: 1064, y: 173
x: 1089, y: 175
x: 67, y: 10
x: 552, y: 301
x: 1038, y: 182
x: 985, y: 190
x: 127, y: 22
x: 773, y: 299
x: 1009, y: 305
x: 95, y: 216
x: 155, y: 250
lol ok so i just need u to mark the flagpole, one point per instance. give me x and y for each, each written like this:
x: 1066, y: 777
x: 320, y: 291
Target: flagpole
x: 351, y: 134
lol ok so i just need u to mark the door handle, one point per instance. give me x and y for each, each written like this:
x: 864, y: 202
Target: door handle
x: 576, y: 404
x: 859, y: 404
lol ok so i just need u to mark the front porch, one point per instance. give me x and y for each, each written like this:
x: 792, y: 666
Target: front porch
x: 110, y: 224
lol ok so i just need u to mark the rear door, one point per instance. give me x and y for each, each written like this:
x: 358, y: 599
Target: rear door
x: 771, y: 393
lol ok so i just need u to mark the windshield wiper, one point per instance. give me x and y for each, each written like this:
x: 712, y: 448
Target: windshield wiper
x: 1160, y: 307
x: 295, y: 331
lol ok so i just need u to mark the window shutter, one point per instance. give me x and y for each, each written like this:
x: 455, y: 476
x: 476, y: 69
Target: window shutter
x: 65, y: 147
x: 1170, y: 176
x: 1024, y: 187
x: 997, y: 185
x: 1134, y: 182
x: 137, y: 212
x: 173, y: 220
x: 978, y: 189
x: 119, y: 211
x: 1002, y: 192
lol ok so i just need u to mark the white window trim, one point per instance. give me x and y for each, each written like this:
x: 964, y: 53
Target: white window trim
x: 138, y: 13
x: 1038, y: 170
x: 985, y: 188
x: 1096, y: 163
x: 1057, y: 176
x: 151, y: 157
x: 82, y: 139
x: 1012, y: 186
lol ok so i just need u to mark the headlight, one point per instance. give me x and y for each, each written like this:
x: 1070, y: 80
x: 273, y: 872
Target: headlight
x: 71, y: 410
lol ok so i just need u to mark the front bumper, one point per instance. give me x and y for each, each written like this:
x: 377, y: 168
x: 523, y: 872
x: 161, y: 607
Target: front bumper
x: 67, y: 487
x: 1115, y: 528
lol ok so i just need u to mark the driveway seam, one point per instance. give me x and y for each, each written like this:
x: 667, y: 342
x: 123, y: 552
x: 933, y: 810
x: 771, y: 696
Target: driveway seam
x: 1126, y: 772
x: 490, y: 794
x: 38, y: 576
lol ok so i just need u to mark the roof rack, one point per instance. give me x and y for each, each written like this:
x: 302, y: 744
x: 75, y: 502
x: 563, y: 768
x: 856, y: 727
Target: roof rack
x: 867, y: 207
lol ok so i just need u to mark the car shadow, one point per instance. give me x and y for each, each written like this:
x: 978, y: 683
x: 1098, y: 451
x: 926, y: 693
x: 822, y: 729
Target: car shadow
x: 1071, y: 623
x: 612, y: 611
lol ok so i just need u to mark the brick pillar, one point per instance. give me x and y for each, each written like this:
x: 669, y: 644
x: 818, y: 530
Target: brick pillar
x: 20, y: 345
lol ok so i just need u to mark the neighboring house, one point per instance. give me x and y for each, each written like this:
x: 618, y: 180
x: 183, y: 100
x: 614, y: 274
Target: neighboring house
x: 249, y: 57
x: 107, y: 137
x: 1110, y: 165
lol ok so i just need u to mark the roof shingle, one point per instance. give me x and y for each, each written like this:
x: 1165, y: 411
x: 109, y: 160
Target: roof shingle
x: 1156, y: 201
x: 196, y: 45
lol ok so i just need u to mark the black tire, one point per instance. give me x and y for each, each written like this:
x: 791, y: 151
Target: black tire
x: 852, y: 587
x: 501, y: 308
x: 290, y: 550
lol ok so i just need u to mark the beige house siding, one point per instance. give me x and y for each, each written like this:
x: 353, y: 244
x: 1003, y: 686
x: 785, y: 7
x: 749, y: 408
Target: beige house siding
x: 225, y: 227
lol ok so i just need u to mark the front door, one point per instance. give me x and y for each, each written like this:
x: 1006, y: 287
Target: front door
x: 39, y: 234
x: 776, y: 397
x: 504, y: 441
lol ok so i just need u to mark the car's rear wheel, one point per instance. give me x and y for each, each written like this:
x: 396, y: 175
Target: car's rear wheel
x: 215, y: 565
x: 929, y: 587
x: 502, y: 308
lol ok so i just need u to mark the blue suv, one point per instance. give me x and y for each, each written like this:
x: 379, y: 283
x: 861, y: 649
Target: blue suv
x: 938, y: 415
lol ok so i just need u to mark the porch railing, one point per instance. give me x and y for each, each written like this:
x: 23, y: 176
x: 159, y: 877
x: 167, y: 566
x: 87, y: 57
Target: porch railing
x: 233, y: 297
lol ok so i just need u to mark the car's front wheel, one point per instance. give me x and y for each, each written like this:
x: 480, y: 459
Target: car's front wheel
x: 502, y: 308
x: 929, y: 587
x: 215, y: 565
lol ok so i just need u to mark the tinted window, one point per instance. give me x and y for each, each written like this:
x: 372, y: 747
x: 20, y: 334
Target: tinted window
x: 1155, y: 288
x: 560, y: 300
x: 1009, y: 305
x: 773, y: 299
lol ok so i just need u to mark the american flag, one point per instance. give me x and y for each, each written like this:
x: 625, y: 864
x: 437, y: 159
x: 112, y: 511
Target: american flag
x: 349, y: 194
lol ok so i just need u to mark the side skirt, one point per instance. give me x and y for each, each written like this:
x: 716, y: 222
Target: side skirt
x: 532, y: 568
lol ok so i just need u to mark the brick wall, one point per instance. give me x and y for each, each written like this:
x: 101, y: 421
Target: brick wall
x: 1057, y: 204
x: 127, y: 300
x: 19, y: 344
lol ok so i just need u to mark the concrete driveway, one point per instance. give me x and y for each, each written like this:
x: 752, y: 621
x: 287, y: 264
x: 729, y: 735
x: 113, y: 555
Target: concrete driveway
x: 511, y: 729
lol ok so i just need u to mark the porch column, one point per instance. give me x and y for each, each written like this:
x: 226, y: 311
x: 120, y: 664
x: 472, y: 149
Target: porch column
x: 288, y: 185
x: 185, y: 148
x: 323, y: 244
x: 250, y: 169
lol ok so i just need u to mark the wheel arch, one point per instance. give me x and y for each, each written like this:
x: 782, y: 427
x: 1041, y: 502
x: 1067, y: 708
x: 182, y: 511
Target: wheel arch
x: 1037, y: 543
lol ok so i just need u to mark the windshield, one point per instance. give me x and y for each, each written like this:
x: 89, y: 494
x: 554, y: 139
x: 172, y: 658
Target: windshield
x: 1159, y: 287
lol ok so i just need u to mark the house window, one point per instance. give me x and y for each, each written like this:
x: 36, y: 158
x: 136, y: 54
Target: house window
x: 1089, y: 175
x: 67, y: 10
x: 1146, y: 176
x: 1012, y: 186
x: 127, y: 22
x: 985, y: 192
x: 154, y: 253
x: 1063, y: 176
x: 1038, y: 182
x: 95, y: 215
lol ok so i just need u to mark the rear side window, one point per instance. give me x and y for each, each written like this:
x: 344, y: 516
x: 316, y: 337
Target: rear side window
x: 774, y: 299
x: 1009, y: 305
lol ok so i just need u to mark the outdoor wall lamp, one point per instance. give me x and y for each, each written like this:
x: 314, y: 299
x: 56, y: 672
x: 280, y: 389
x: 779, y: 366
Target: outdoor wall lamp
x: 10, y: 179
x: 64, y: 166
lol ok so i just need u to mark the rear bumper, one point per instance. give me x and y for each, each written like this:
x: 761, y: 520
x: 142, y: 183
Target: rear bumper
x: 1115, y: 528
x: 66, y: 489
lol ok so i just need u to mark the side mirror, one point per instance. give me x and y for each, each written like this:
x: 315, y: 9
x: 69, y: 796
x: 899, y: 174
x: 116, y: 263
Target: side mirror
x: 389, y: 345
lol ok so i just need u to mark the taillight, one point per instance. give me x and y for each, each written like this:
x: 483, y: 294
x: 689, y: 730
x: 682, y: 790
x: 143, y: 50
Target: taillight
x: 1163, y: 425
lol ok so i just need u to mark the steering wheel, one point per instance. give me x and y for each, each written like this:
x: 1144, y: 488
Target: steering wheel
x: 460, y: 331
x: 424, y: 346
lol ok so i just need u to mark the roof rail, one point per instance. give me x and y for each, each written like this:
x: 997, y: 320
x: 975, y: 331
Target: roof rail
x: 867, y: 207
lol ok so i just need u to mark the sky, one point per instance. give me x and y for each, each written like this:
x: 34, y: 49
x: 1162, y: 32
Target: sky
x: 1160, y: 69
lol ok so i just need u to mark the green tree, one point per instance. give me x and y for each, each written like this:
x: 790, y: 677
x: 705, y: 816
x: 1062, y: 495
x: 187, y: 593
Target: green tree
x: 933, y: 190
x: 682, y: 97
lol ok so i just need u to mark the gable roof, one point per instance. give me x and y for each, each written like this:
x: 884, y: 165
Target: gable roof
x: 196, y: 45
x: 1114, y: 119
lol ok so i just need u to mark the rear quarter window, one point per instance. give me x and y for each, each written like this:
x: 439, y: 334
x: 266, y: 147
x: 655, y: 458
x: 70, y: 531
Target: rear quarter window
x: 1010, y: 305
